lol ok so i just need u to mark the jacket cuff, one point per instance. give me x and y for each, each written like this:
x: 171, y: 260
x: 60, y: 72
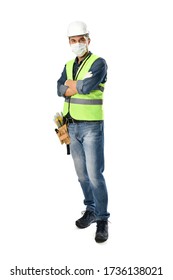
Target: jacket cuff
x: 62, y: 90
x: 79, y: 86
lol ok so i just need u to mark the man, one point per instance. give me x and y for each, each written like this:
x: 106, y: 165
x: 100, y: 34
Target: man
x: 82, y: 84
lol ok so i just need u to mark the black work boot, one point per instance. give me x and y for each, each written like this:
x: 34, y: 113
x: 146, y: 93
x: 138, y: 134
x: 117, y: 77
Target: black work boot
x: 102, y: 231
x: 86, y: 220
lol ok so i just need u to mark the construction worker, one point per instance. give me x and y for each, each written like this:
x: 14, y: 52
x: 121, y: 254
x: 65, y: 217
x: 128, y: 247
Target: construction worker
x: 82, y: 85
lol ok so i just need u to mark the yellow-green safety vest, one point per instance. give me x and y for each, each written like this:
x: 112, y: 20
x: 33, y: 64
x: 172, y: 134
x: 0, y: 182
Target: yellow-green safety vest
x: 88, y: 107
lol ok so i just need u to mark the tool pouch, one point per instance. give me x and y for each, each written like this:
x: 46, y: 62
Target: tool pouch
x: 63, y: 134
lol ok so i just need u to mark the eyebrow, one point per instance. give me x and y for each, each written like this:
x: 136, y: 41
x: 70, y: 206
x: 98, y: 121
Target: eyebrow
x: 73, y: 38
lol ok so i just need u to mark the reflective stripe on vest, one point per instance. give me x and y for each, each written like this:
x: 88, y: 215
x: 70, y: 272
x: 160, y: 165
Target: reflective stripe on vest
x: 86, y: 101
x: 84, y: 106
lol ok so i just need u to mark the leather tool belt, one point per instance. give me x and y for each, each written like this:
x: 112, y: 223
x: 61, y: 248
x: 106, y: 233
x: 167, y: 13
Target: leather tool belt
x: 63, y: 134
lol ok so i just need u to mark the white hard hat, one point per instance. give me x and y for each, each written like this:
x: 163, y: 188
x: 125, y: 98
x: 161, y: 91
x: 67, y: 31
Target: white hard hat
x: 77, y: 28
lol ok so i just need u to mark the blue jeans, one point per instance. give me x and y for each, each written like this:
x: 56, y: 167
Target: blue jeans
x: 87, y: 149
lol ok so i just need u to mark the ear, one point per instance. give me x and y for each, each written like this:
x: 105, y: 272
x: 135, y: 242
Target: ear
x: 89, y: 40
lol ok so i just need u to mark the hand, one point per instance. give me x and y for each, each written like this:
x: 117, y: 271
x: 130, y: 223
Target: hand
x: 71, y: 84
x: 70, y: 92
x: 88, y: 75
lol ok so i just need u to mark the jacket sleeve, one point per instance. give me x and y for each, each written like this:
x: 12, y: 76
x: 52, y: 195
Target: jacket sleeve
x: 61, y: 88
x: 99, y: 75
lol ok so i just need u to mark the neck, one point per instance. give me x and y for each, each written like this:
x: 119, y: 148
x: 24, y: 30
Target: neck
x: 80, y: 58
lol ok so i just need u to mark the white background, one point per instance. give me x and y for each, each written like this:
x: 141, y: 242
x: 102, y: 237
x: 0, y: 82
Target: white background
x: 40, y: 195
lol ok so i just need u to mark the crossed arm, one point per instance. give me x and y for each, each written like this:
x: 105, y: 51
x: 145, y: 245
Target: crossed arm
x: 67, y: 88
x: 71, y: 90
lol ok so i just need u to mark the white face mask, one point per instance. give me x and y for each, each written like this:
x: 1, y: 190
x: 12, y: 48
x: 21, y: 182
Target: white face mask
x: 79, y: 49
